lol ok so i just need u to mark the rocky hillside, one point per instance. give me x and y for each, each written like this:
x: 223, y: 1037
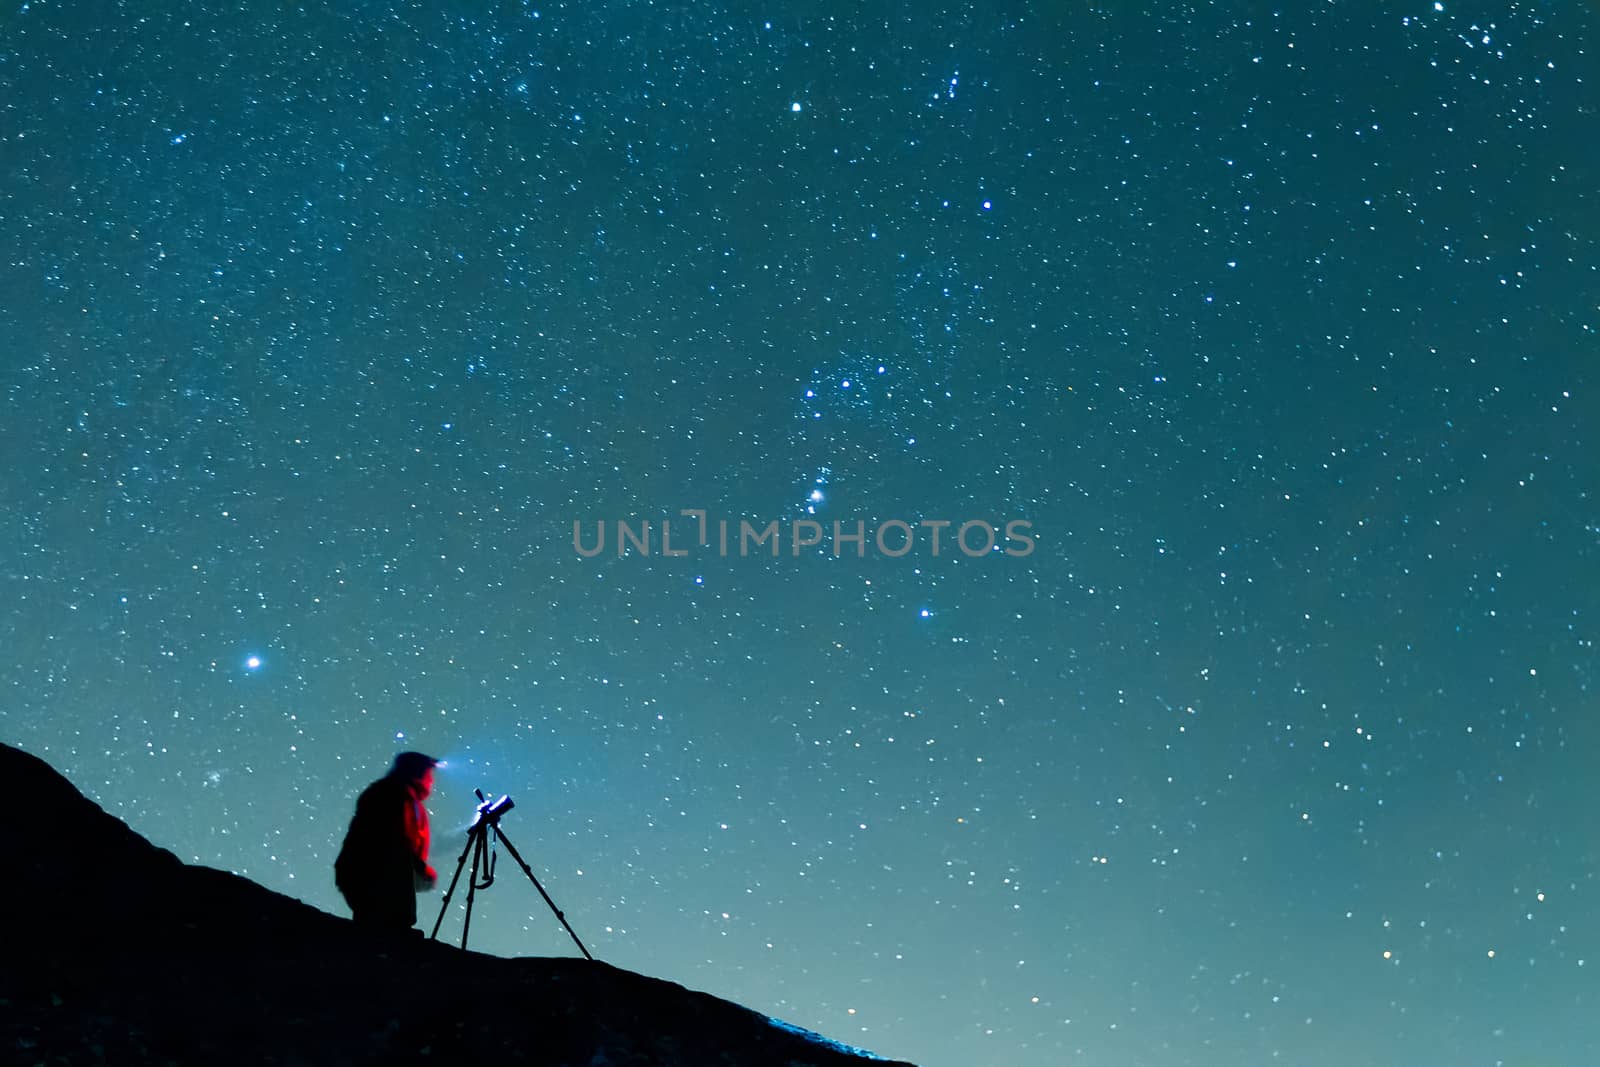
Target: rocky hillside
x: 117, y: 953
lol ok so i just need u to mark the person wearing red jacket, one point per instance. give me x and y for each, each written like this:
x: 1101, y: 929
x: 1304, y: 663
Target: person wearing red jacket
x: 383, y: 863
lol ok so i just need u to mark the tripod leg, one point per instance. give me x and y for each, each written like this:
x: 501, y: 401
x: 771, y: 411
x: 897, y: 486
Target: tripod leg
x: 529, y: 872
x: 472, y: 836
x: 472, y: 886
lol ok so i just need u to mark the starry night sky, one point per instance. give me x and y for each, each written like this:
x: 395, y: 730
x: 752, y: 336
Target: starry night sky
x: 321, y: 325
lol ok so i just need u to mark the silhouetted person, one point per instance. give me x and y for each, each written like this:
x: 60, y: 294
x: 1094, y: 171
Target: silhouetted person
x: 384, y: 861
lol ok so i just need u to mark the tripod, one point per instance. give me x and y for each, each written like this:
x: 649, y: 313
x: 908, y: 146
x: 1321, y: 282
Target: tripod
x: 481, y: 848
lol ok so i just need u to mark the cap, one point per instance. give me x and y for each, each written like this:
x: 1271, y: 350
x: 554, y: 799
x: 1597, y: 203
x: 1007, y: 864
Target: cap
x: 412, y: 765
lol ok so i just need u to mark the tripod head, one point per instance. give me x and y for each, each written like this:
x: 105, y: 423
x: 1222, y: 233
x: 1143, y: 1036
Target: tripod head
x: 489, y: 811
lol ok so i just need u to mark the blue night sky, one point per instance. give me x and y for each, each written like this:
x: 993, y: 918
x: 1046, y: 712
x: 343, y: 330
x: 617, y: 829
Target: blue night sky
x: 321, y: 326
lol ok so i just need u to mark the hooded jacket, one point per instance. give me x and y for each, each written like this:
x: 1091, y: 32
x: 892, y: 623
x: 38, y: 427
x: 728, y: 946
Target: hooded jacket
x: 384, y: 859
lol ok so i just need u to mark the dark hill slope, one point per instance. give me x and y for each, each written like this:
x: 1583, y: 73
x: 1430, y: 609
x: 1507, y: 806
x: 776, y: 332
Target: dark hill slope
x: 115, y: 952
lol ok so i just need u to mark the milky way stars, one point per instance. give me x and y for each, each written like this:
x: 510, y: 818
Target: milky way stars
x: 322, y: 326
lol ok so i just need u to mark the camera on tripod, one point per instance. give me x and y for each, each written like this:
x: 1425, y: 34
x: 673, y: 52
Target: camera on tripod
x: 491, y: 810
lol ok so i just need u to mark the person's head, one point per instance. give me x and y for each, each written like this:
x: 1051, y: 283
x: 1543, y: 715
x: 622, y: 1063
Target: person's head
x: 416, y: 769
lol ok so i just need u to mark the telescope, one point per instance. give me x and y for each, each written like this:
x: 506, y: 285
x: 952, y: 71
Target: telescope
x: 491, y: 810
x: 480, y: 846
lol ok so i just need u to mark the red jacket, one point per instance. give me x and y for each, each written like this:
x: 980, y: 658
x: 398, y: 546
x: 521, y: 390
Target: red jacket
x: 416, y: 831
x: 385, y: 851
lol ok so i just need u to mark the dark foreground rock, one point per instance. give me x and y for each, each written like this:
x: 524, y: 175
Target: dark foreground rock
x: 114, y: 952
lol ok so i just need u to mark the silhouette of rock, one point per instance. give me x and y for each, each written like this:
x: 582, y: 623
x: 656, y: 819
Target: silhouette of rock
x: 117, y: 953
